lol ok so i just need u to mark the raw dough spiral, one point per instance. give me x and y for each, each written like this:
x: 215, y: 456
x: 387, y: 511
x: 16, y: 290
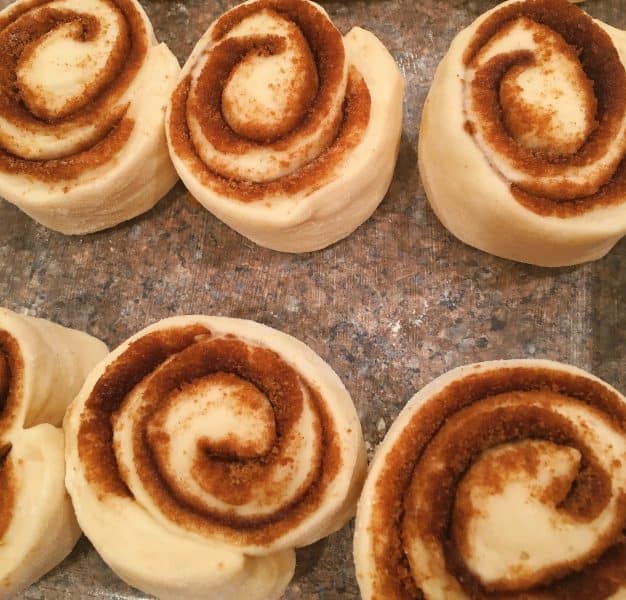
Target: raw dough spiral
x: 523, y: 139
x: 284, y: 129
x: 503, y: 479
x: 204, y: 450
x: 42, y: 366
x: 83, y: 88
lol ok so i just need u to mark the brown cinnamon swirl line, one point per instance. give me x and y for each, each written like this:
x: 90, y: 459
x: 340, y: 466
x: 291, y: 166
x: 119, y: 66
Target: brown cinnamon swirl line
x: 10, y: 363
x: 435, y: 516
x: 277, y: 158
x: 80, y: 87
x: 219, y: 441
x: 538, y: 90
x: 506, y: 119
x: 42, y: 365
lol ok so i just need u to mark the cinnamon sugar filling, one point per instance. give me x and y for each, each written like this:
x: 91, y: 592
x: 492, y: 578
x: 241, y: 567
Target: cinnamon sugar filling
x: 11, y: 379
x: 7, y: 490
x: 324, y: 52
x: 71, y: 167
x: 170, y: 366
x: 454, y: 428
x: 312, y: 176
x: 207, y: 103
x: 601, y: 81
x: 22, y: 30
x: 11, y: 384
x: 95, y: 434
x: 5, y: 380
x: 319, y: 63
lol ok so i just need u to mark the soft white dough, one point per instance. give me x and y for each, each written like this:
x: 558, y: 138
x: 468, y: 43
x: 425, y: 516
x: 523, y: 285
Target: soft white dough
x: 43, y: 528
x: 154, y: 554
x: 312, y: 219
x: 135, y: 179
x: 473, y: 200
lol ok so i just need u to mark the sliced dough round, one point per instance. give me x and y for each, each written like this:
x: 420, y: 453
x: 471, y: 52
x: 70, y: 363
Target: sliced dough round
x: 522, y: 148
x: 503, y: 478
x: 84, y: 85
x: 42, y: 366
x: 282, y: 128
x: 204, y: 450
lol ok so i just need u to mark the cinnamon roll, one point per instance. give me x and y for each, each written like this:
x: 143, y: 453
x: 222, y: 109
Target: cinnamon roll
x: 42, y: 366
x: 522, y: 146
x: 503, y: 479
x: 203, y: 450
x: 285, y: 130
x: 83, y: 88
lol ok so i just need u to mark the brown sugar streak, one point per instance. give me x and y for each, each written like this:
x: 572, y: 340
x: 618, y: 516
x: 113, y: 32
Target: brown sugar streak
x: 394, y: 581
x: 311, y: 176
x: 321, y: 43
x: 602, y: 70
x: 173, y: 359
x: 95, y: 434
x: 63, y: 169
x: 20, y: 30
x: 281, y: 385
x: 206, y: 103
x: 5, y: 380
x: 11, y: 380
x: 461, y: 440
x: 614, y: 192
x: 11, y: 395
x: 7, y: 489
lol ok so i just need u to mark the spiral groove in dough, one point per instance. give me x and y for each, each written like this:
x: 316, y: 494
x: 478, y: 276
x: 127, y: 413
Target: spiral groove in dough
x: 220, y: 445
x: 42, y: 366
x: 284, y: 129
x: 83, y: 86
x: 503, y: 479
x: 534, y: 134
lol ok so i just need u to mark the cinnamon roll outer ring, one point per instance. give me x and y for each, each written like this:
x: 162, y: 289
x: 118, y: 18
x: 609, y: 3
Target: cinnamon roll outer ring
x: 475, y: 203
x: 172, y: 563
x: 364, y: 558
x: 43, y: 530
x: 306, y: 221
x: 130, y: 184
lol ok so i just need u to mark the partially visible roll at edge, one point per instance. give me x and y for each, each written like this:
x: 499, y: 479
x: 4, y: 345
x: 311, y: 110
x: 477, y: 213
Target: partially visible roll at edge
x: 132, y: 180
x: 138, y: 178
x: 46, y: 365
x: 394, y: 464
x: 169, y: 560
x: 474, y: 202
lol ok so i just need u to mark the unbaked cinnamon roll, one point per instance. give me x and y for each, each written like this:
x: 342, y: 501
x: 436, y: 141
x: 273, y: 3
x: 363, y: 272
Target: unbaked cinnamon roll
x: 42, y: 366
x: 203, y: 450
x: 503, y: 479
x: 523, y: 139
x: 285, y: 130
x: 83, y: 88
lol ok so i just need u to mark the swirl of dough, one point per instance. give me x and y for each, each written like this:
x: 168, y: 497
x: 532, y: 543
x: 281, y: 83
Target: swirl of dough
x: 83, y: 86
x: 204, y: 450
x: 534, y: 134
x: 42, y: 366
x: 284, y: 129
x: 504, y: 479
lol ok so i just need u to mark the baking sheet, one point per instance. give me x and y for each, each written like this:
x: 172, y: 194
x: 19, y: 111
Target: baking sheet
x: 391, y: 307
